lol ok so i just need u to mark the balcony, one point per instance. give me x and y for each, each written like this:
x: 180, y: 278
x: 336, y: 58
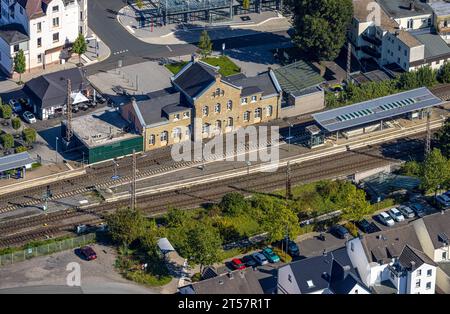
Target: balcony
x: 373, y: 40
x: 371, y: 52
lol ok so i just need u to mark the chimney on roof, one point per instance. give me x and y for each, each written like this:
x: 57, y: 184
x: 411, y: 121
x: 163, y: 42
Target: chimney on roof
x: 412, y: 5
x: 413, y: 264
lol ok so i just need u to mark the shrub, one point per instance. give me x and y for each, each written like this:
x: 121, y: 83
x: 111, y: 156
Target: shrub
x: 7, y: 140
x: 196, y: 277
x: 5, y: 111
x: 234, y: 204
x: 285, y: 258
x: 29, y: 135
x: 15, y: 122
x: 351, y: 227
x: 20, y: 149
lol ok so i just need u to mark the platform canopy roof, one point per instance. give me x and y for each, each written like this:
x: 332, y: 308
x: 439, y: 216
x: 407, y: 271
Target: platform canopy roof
x: 15, y: 161
x: 376, y: 109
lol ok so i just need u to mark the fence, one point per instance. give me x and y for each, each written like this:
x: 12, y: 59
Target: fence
x: 45, y: 249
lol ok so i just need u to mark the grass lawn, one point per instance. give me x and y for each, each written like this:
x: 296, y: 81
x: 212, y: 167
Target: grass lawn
x: 227, y: 67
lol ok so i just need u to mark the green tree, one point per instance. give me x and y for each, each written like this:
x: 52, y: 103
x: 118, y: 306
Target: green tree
x: 79, y: 46
x: 246, y: 4
x: 279, y: 221
x: 234, y: 204
x: 176, y: 217
x: 436, y: 171
x: 5, y: 111
x: 411, y: 168
x: 126, y: 225
x: 443, y: 138
x: 444, y: 73
x: 321, y: 26
x: 7, y: 140
x: 203, y: 245
x: 139, y: 4
x: 15, y: 122
x: 355, y: 206
x: 20, y: 64
x: 29, y: 135
x: 205, y: 44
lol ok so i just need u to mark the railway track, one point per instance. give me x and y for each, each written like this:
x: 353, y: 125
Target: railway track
x: 343, y: 164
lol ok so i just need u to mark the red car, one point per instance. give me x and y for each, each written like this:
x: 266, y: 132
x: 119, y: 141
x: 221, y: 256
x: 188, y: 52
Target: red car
x: 237, y: 264
x: 88, y: 253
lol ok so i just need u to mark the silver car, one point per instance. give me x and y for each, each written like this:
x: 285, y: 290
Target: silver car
x: 260, y: 258
x: 406, y: 211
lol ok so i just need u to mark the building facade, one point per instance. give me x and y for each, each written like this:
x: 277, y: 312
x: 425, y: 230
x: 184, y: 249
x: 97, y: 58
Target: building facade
x: 203, y: 103
x: 43, y: 29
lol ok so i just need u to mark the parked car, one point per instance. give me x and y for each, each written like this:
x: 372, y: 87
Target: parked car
x: 100, y: 99
x: 406, y: 211
x: 396, y: 214
x: 443, y: 201
x: 237, y: 264
x: 249, y: 261
x: 15, y: 105
x: 270, y: 255
x: 292, y: 247
x: 260, y: 259
x: 92, y: 104
x: 366, y: 226
x: 29, y: 117
x: 25, y: 102
x: 88, y: 253
x: 418, y: 209
x: 386, y: 219
x: 75, y: 109
x: 339, y: 231
x: 83, y: 106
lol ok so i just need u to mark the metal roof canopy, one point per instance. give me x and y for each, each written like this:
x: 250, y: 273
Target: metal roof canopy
x: 376, y: 109
x: 165, y: 246
x: 15, y: 161
x: 298, y: 76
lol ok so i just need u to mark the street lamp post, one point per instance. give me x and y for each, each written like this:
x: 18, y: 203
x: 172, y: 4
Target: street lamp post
x: 289, y: 145
x: 248, y: 167
x: 56, y: 150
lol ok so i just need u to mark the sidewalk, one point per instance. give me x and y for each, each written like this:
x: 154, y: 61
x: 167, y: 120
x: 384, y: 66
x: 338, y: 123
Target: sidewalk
x: 189, y: 32
x: 95, y: 54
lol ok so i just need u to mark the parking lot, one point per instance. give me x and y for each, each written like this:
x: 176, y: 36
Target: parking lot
x: 48, y: 274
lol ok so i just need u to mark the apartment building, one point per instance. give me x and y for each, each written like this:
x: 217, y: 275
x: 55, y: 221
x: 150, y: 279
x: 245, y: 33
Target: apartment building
x: 391, y: 262
x: 43, y: 29
x: 441, y: 17
x: 201, y: 103
x: 397, y: 35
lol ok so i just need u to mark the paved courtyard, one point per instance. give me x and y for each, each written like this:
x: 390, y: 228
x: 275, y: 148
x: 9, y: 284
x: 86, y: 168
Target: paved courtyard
x: 48, y: 274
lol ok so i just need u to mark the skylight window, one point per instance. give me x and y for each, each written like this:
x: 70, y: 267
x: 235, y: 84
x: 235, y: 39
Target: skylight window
x: 310, y: 283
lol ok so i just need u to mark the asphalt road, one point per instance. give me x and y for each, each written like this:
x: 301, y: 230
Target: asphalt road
x: 103, y: 21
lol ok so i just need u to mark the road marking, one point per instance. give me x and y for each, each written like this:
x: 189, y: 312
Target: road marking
x: 170, y: 49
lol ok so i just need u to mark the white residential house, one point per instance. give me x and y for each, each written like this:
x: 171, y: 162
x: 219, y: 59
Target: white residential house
x: 390, y: 262
x: 43, y: 29
x: 433, y: 232
x: 400, y: 40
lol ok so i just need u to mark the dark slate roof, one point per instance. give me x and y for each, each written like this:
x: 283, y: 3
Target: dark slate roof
x: 261, y: 83
x: 376, y: 109
x: 15, y: 161
x: 385, y: 245
x: 13, y: 34
x: 400, y: 8
x: 195, y: 77
x: 318, y: 270
x: 297, y: 76
x: 156, y: 110
x: 51, y: 89
x: 342, y: 280
x: 411, y: 258
x: 438, y: 225
x: 236, y: 282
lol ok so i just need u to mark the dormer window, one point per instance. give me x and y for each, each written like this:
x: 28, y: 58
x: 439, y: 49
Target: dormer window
x: 310, y: 283
x: 244, y: 101
x: 254, y: 98
x: 176, y: 117
x: 185, y: 114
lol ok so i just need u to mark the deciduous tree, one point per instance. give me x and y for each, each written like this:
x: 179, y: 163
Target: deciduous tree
x: 205, y: 44
x: 126, y: 225
x: 436, y: 171
x: 20, y: 64
x: 79, y: 46
x: 321, y: 26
